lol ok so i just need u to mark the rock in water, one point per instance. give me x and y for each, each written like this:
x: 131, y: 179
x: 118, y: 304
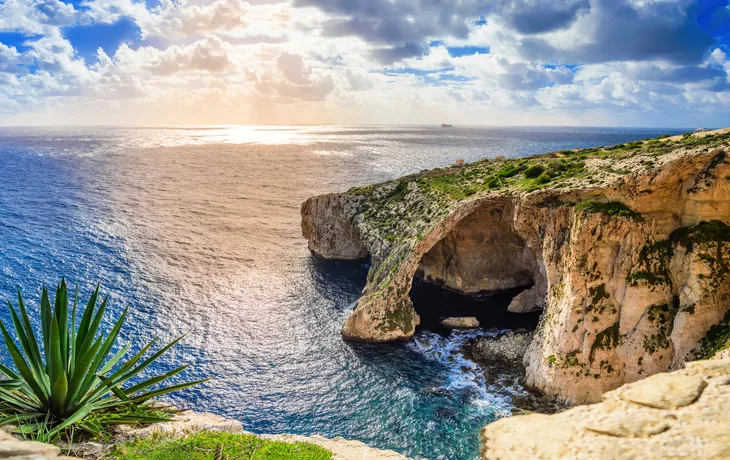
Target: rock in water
x: 506, y: 350
x: 460, y: 322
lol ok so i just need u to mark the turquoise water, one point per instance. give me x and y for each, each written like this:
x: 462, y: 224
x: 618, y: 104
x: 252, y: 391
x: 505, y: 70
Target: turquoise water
x: 198, y: 230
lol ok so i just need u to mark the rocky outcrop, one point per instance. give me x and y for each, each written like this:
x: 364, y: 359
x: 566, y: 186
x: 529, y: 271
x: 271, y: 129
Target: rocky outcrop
x: 181, y: 424
x: 15, y: 449
x: 326, y: 224
x: 460, y: 322
x: 682, y: 414
x: 626, y: 250
x: 504, y: 350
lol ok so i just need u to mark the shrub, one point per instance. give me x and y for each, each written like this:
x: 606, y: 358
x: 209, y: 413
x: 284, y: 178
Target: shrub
x: 610, y: 209
x: 534, y: 171
x: 207, y: 445
x: 73, y: 379
x: 544, y: 178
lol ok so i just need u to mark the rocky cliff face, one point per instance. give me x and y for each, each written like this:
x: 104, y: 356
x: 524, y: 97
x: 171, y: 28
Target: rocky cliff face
x: 670, y: 415
x: 626, y: 250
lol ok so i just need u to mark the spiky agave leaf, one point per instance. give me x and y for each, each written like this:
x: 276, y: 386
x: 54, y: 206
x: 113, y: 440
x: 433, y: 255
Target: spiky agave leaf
x: 75, y: 374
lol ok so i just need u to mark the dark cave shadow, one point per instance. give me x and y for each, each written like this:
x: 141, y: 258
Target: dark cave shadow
x: 434, y: 303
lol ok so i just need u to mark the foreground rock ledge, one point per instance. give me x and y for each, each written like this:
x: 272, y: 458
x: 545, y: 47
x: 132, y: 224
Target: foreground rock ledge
x: 188, y: 422
x: 15, y: 449
x: 683, y: 414
x: 626, y: 251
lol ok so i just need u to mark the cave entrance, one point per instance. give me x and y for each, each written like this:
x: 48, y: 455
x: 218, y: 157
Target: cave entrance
x: 477, y: 269
x: 434, y: 303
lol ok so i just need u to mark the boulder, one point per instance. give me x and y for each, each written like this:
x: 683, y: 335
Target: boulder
x: 460, y: 322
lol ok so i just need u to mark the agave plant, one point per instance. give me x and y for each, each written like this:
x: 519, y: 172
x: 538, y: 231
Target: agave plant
x: 74, y: 376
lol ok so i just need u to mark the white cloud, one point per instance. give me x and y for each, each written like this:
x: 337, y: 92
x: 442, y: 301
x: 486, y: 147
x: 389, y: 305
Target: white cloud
x: 547, y: 61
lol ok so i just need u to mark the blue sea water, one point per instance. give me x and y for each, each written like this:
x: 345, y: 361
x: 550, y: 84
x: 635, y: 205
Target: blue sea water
x: 197, y: 229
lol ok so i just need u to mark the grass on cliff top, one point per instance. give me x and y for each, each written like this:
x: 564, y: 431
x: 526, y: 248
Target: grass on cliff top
x: 610, y: 209
x: 556, y: 169
x: 208, y: 445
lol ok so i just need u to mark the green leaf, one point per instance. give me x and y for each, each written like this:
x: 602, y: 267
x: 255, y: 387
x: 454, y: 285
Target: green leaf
x: 45, y: 319
x: 9, y: 372
x: 72, y: 340
x: 61, y: 316
x: 57, y: 372
x: 170, y: 389
x: 90, y: 378
x: 36, y: 364
x: 12, y: 384
x: 14, y: 419
x: 21, y: 365
x: 86, y: 318
x: 155, y: 380
x: 29, y: 330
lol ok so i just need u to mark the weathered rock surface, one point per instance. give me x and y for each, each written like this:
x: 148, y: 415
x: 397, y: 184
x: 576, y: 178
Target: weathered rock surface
x: 504, y: 350
x: 326, y: 223
x: 460, y: 322
x: 628, y: 259
x: 15, y: 449
x: 180, y: 425
x: 678, y: 415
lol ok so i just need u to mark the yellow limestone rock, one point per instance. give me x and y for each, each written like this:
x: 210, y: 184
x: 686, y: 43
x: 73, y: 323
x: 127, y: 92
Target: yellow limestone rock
x: 687, y: 419
x: 665, y: 391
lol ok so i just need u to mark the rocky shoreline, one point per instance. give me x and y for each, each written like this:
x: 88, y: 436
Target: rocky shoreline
x: 502, y: 356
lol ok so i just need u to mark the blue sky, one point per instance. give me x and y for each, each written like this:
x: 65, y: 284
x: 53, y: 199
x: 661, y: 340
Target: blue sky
x: 554, y: 62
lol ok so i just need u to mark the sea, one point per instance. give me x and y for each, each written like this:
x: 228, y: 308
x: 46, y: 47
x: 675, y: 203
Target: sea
x: 197, y: 230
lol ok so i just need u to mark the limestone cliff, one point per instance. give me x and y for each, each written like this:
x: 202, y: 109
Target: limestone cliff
x: 625, y: 249
x: 675, y: 415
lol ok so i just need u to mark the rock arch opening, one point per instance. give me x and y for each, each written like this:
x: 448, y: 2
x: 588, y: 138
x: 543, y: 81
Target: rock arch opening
x: 479, y: 269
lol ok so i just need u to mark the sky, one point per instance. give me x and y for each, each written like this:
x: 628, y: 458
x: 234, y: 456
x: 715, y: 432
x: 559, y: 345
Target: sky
x: 654, y: 63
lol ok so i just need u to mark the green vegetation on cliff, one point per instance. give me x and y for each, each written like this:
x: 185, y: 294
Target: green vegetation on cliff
x: 563, y: 169
x: 605, y: 340
x: 662, y: 316
x: 395, y: 217
x: 610, y: 209
x: 716, y: 340
x: 207, y: 445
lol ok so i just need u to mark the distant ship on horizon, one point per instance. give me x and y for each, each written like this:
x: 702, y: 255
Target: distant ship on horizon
x: 444, y: 125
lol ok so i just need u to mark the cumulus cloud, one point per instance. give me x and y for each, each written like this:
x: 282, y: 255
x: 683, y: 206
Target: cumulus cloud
x: 573, y: 31
x: 11, y: 61
x: 35, y: 16
x: 478, y: 57
x: 175, y: 20
x: 293, y: 79
x: 292, y: 68
x: 622, y: 30
x: 208, y: 55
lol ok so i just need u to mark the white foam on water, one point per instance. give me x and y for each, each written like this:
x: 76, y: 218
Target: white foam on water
x: 464, y: 375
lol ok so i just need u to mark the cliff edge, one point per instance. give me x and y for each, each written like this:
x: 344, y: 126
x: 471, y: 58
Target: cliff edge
x: 624, y: 249
x: 682, y: 414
